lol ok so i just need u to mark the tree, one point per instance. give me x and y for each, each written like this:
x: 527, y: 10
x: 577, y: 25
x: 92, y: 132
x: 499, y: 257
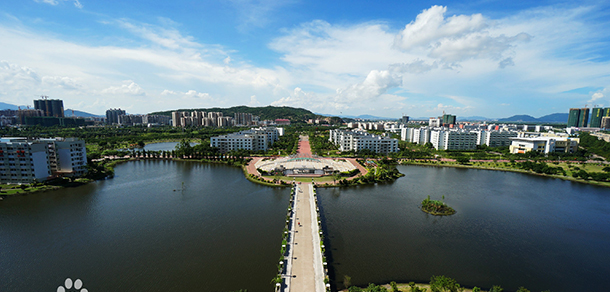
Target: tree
x: 463, y: 160
x: 496, y: 288
x: 444, y: 284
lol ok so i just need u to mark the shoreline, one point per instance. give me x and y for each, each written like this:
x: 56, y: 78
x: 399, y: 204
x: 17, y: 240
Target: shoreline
x: 404, y: 287
x: 324, y: 184
x: 568, y: 178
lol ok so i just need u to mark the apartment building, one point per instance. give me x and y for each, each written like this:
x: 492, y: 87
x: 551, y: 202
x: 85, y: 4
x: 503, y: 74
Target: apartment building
x: 24, y: 160
x: 359, y: 140
x: 453, y: 140
x: 256, y: 139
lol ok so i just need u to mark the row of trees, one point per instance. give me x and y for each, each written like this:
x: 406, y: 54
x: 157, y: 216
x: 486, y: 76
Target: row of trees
x: 437, y: 284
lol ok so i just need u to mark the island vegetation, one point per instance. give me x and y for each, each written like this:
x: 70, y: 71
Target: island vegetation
x: 437, y: 284
x: 436, y: 208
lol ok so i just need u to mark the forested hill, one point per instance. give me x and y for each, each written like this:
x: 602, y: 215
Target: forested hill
x: 265, y: 113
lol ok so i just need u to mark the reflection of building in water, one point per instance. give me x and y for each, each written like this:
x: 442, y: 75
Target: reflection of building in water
x: 304, y: 166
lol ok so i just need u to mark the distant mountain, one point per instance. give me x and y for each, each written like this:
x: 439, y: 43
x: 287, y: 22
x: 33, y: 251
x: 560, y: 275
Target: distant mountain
x: 80, y: 114
x: 558, y: 118
x: 363, y: 117
x: 265, y: 113
x: 9, y: 106
x: 555, y: 118
x: 474, y: 118
x: 519, y: 118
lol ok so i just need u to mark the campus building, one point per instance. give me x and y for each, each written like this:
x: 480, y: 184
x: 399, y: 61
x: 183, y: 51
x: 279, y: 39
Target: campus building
x: 24, y: 160
x: 543, y: 143
x: 358, y: 140
x: 256, y: 139
x: 453, y: 140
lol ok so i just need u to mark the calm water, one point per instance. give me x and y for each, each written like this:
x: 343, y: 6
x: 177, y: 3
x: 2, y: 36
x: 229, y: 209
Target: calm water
x: 168, y: 146
x: 510, y: 230
x: 141, y: 232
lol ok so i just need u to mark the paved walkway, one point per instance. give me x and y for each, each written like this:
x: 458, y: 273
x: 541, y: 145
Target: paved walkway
x: 304, y: 149
x: 307, y: 273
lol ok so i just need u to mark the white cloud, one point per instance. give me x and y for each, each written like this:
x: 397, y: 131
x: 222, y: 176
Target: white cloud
x: 431, y: 26
x: 168, y: 92
x: 456, y: 38
x: 375, y: 84
x: 597, y: 96
x: 195, y: 94
x: 77, y: 3
x: 61, y: 82
x: 52, y: 2
x: 254, y: 101
x: 129, y: 88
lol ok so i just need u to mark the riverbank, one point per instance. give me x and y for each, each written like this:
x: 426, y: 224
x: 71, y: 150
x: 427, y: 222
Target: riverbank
x: 404, y: 287
x: 500, y: 168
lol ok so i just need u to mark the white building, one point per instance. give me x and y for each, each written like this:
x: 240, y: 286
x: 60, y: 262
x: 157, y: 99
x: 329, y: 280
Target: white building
x: 421, y: 136
x: 358, y: 140
x: 256, y: 139
x: 543, y: 144
x: 24, y: 160
x: 453, y: 140
x: 498, y: 138
x: 434, y: 122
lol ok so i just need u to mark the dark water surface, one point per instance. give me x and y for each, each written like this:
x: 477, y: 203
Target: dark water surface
x: 510, y: 229
x: 141, y: 232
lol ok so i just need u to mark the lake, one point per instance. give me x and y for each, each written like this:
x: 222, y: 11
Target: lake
x: 142, y: 231
x: 510, y: 229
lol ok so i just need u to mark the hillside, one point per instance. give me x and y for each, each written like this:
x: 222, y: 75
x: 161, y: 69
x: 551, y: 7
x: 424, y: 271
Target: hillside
x: 556, y: 118
x: 519, y: 118
x: 265, y: 113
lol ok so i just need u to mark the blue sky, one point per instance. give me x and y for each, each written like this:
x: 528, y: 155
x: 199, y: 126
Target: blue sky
x: 385, y: 58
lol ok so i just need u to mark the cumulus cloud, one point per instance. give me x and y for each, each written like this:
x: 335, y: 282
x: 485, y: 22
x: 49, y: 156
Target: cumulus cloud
x: 195, y: 94
x: 254, y: 101
x: 61, y: 82
x: 456, y: 38
x: 375, y: 84
x: 129, y: 88
x: 596, y: 96
x: 17, y: 76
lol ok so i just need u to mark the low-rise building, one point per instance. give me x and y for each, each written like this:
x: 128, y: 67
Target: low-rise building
x: 543, y: 144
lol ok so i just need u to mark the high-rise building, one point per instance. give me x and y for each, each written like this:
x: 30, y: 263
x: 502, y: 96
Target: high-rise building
x: 583, y: 119
x: 578, y: 117
x: 50, y: 107
x: 404, y: 119
x: 605, y: 124
x: 596, y: 117
x: 112, y: 115
x: 448, y: 120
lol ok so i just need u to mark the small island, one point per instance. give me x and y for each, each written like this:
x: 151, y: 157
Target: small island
x: 436, y: 208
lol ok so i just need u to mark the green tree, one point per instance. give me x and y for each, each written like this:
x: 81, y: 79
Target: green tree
x: 444, y: 284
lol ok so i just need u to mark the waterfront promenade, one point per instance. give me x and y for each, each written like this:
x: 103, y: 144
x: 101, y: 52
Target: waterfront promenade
x: 304, y: 269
